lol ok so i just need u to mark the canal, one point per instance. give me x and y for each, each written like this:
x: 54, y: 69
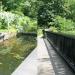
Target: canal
x: 13, y: 51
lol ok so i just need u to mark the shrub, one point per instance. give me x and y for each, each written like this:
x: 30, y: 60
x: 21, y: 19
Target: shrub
x: 3, y: 24
x: 6, y: 19
x: 26, y: 24
x: 63, y: 24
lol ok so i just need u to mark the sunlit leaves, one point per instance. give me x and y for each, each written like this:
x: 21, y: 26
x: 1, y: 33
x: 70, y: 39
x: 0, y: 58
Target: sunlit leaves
x: 6, y: 18
x: 63, y: 24
x: 9, y: 17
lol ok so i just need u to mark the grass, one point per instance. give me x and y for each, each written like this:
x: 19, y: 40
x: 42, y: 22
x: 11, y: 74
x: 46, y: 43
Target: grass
x: 13, y: 52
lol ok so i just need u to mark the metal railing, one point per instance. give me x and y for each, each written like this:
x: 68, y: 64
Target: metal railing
x: 64, y: 44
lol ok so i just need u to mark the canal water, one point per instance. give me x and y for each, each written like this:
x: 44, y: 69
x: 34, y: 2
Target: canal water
x: 13, y: 51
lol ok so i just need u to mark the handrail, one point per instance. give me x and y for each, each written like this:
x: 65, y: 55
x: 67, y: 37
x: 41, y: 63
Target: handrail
x: 62, y: 34
x: 64, y: 45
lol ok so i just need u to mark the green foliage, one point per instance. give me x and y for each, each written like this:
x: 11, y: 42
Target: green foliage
x: 27, y: 7
x: 6, y: 19
x: 3, y: 24
x: 53, y: 29
x: 49, y: 13
x: 63, y: 24
x: 30, y: 26
x: 44, y: 15
x: 17, y: 21
x: 58, y: 15
x: 33, y: 26
x: 26, y: 24
x: 13, y: 14
x: 10, y: 4
x: 48, y: 10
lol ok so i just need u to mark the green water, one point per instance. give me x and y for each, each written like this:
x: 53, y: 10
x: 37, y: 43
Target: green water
x: 14, y: 51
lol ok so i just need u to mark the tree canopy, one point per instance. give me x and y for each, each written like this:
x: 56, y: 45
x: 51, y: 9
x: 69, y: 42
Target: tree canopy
x: 57, y: 14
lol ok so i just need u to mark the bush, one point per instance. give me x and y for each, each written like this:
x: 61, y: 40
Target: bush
x: 63, y: 24
x: 16, y: 21
x: 26, y: 24
x: 3, y: 24
x: 6, y: 19
x: 33, y: 26
x: 53, y: 29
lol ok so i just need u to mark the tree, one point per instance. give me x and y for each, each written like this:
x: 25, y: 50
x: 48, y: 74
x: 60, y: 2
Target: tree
x: 44, y: 16
x: 48, y: 10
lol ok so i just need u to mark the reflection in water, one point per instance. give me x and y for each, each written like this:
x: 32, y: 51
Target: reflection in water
x: 13, y: 52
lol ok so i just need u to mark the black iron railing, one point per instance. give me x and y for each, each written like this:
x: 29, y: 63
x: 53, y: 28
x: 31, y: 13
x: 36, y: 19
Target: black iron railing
x: 64, y: 44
